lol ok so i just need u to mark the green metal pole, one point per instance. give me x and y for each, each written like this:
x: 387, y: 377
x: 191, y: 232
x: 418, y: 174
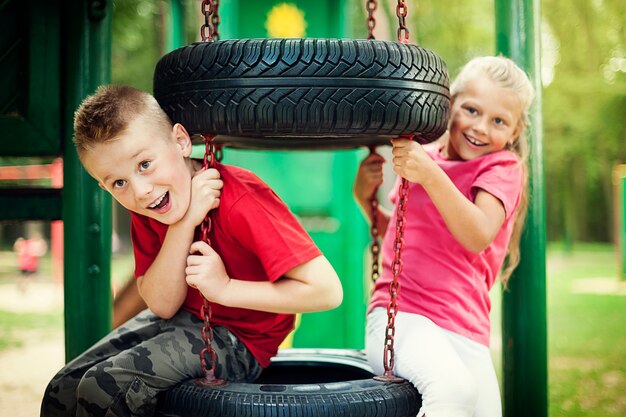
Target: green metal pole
x: 86, y: 208
x: 176, y: 33
x: 524, y: 304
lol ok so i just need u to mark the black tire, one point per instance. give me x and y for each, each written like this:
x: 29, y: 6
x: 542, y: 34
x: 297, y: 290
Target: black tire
x: 297, y: 384
x: 304, y: 93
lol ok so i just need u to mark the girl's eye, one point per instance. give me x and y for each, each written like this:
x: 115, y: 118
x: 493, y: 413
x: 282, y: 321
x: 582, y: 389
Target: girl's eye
x: 119, y: 183
x: 498, y: 121
x: 472, y: 110
x: 144, y: 165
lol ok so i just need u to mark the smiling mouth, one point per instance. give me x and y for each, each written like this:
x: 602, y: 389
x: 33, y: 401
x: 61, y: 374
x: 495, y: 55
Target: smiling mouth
x: 160, y: 202
x: 474, y: 142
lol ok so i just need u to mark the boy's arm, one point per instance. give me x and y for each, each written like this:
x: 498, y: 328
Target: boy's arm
x: 163, y: 286
x: 311, y: 286
x: 473, y: 224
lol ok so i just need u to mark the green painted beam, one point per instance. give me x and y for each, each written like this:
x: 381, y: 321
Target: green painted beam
x: 23, y: 138
x: 524, y: 304
x: 18, y: 204
x: 86, y: 207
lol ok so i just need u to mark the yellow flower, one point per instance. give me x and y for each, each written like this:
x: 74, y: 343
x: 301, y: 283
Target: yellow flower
x: 285, y: 20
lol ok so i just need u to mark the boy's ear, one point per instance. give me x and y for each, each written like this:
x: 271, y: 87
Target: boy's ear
x: 183, y: 140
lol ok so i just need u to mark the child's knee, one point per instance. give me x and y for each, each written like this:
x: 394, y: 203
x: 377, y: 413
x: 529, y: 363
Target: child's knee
x: 117, y: 389
x: 60, y: 395
x: 89, y: 388
x: 98, y: 385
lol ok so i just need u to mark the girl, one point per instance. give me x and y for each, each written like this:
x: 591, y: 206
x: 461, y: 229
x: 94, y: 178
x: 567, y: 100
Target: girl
x: 466, y: 207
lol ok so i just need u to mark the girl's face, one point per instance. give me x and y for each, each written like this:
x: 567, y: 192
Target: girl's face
x: 146, y: 170
x: 484, y: 118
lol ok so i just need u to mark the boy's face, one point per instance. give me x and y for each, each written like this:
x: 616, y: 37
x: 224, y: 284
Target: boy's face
x: 147, y: 170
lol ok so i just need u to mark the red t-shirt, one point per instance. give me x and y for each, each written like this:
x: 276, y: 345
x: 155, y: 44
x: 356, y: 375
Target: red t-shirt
x: 258, y: 238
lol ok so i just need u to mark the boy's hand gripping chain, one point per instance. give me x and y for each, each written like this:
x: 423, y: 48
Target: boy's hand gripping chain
x: 209, y: 380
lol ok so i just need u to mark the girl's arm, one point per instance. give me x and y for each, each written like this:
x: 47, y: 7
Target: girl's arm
x: 473, y: 224
x: 368, y: 178
x: 163, y: 286
x: 311, y: 286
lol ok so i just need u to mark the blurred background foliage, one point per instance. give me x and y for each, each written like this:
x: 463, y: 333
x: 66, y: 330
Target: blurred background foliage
x: 583, y: 72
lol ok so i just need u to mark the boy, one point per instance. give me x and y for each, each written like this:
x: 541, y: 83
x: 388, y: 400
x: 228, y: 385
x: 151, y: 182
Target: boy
x: 262, y: 266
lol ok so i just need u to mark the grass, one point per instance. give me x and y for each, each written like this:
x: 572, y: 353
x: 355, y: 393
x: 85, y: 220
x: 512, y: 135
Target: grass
x: 586, y: 334
x: 15, y: 326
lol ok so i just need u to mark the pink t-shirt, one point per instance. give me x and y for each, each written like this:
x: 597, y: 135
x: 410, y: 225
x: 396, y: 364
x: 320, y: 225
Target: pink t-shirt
x: 440, y: 279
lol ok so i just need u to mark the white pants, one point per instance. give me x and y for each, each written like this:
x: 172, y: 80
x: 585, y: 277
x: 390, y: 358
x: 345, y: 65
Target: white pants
x: 454, y: 374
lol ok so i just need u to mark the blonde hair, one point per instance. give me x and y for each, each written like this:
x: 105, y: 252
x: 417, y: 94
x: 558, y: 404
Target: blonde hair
x: 106, y: 114
x: 506, y: 74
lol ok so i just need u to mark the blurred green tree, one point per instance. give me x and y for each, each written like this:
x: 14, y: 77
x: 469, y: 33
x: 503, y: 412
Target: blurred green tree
x: 584, y: 115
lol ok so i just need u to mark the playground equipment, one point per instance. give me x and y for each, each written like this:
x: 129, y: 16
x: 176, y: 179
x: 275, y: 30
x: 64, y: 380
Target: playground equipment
x: 36, y: 72
x: 296, y: 94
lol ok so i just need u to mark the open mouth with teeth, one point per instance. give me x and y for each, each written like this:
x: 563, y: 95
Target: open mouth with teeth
x: 160, y: 202
x: 474, y: 142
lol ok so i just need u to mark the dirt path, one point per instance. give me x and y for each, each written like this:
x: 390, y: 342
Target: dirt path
x: 26, y: 370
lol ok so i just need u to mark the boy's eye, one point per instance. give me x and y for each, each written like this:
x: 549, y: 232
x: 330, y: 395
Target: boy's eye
x: 472, y: 110
x: 498, y: 121
x: 144, y: 165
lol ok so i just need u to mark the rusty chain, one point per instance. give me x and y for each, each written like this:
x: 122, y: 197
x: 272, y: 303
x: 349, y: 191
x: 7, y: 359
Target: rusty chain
x: 401, y: 12
x: 403, y: 32
x: 375, y: 246
x: 396, y: 267
x: 394, y: 285
x: 371, y: 6
x: 209, y: 30
x: 209, y: 380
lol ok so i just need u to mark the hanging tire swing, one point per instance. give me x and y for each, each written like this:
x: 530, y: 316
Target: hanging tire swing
x: 295, y: 94
x: 304, y: 93
x: 299, y: 382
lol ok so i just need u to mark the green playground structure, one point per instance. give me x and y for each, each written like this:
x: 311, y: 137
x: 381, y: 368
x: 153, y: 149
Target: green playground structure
x: 53, y: 54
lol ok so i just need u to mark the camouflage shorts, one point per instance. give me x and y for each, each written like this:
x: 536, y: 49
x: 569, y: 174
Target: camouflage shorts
x: 122, y: 374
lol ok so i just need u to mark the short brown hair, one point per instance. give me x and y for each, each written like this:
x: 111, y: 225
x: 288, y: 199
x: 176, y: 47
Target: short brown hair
x: 104, y: 115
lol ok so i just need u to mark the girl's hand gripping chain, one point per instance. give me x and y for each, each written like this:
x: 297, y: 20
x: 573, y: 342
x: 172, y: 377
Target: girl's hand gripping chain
x: 410, y: 161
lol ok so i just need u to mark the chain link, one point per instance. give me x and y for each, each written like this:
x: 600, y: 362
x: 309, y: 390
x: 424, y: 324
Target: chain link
x: 394, y: 286
x: 209, y: 30
x: 375, y: 246
x: 403, y: 31
x: 209, y: 380
x: 371, y: 6
x: 216, y: 20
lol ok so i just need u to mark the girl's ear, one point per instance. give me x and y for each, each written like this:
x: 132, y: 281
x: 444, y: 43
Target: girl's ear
x: 515, y: 136
x: 182, y: 138
x: 450, y: 112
